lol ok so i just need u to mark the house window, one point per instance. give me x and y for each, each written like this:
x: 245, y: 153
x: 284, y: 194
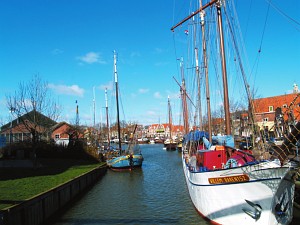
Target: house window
x: 56, y: 136
x: 271, y: 108
x: 284, y: 106
x: 265, y: 119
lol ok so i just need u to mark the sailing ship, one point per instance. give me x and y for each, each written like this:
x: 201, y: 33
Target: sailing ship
x: 228, y: 185
x: 132, y: 157
x: 105, y: 140
x: 169, y: 143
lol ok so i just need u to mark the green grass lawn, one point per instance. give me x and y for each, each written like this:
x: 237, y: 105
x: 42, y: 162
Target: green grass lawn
x: 20, y: 184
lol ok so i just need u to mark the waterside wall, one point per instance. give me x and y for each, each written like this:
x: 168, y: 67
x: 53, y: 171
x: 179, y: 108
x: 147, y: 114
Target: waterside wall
x: 40, y: 208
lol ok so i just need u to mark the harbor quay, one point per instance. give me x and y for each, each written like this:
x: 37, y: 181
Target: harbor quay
x: 41, y: 208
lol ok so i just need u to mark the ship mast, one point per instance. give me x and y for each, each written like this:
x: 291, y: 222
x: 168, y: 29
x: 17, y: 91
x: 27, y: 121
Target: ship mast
x: 197, y: 71
x: 107, y: 121
x: 77, y: 115
x: 193, y: 14
x: 117, y: 101
x: 224, y: 71
x: 94, y: 108
x: 202, y: 15
x: 222, y: 55
x: 183, y: 97
x: 170, y: 117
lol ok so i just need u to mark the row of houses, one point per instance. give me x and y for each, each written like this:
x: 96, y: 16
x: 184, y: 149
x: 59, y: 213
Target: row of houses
x: 271, y: 114
x: 274, y: 115
x: 34, y: 127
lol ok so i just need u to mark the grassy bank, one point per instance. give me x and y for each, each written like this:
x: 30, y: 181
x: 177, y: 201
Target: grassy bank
x: 20, y: 184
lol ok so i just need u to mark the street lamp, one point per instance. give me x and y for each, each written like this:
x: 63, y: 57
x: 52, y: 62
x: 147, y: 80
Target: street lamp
x: 12, y: 109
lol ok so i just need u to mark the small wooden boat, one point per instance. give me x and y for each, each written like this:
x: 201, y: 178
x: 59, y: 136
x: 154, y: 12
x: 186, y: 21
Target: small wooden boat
x: 132, y: 157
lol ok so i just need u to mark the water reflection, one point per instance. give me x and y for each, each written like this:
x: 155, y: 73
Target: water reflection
x: 153, y: 194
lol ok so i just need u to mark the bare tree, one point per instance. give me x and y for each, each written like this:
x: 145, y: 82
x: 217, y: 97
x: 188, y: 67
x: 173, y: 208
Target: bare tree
x: 74, y: 133
x: 34, y: 108
x: 1, y: 121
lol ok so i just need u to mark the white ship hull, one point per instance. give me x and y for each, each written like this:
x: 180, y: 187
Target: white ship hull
x: 228, y: 196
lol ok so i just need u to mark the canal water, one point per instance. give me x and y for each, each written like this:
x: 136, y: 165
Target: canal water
x: 154, y: 194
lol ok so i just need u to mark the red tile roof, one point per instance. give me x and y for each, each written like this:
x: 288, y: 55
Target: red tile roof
x: 262, y: 105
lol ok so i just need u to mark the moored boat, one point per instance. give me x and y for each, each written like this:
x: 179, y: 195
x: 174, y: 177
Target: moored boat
x: 170, y: 145
x: 179, y: 146
x: 126, y: 161
x: 228, y: 185
x: 132, y: 157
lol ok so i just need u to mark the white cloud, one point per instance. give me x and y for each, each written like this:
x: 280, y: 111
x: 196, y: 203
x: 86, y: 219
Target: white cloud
x: 67, y: 90
x: 91, y: 57
x: 157, y: 95
x: 143, y: 91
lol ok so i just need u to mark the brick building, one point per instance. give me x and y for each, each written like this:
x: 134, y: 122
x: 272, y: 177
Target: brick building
x: 273, y: 113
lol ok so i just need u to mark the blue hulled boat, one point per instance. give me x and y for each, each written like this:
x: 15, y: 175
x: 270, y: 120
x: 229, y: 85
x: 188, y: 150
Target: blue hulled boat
x: 128, y: 161
x: 132, y: 157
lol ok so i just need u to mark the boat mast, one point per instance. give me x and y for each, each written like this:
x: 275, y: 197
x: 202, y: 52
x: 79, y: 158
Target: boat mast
x: 132, y: 139
x: 183, y: 97
x: 94, y: 108
x: 204, y: 53
x: 199, y: 92
x: 202, y: 15
x: 224, y: 71
x: 117, y: 101
x: 77, y: 115
x: 198, y: 80
x: 193, y: 14
x: 170, y: 117
x: 222, y: 50
x: 107, y: 121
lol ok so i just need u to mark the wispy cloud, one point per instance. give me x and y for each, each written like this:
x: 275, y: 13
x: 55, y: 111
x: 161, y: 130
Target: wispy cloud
x: 67, y: 90
x: 158, y: 50
x: 173, y: 95
x: 157, y: 95
x: 161, y: 63
x: 91, y: 57
x: 143, y: 90
x: 108, y: 86
x: 151, y: 113
x: 57, y: 51
x: 135, y: 54
x: 2, y: 102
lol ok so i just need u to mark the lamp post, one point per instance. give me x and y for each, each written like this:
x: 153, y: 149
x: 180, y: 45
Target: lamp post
x: 12, y: 109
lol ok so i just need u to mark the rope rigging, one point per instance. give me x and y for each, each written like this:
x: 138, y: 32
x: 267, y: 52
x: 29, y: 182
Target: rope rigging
x: 290, y: 19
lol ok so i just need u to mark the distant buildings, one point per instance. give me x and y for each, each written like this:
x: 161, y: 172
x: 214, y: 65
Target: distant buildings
x: 34, y: 127
x: 273, y: 114
x: 276, y: 114
x: 165, y: 131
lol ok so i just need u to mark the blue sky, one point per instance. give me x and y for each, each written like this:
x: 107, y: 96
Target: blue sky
x: 70, y: 45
